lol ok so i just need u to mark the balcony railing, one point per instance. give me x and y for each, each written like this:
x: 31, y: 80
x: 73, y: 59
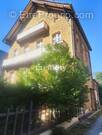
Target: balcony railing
x: 34, y: 31
x: 23, y: 58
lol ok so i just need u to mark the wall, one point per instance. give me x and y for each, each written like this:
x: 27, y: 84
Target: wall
x: 56, y: 22
x: 81, y: 50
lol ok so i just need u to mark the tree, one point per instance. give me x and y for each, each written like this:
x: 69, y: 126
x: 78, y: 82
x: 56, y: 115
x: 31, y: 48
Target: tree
x: 99, y: 79
x: 59, y: 78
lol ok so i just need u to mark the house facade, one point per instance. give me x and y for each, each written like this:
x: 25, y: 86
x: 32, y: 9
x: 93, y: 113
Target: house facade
x: 96, y: 92
x: 42, y: 23
x: 2, y: 57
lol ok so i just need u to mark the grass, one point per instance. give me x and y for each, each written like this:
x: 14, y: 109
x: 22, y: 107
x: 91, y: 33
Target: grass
x: 83, y: 127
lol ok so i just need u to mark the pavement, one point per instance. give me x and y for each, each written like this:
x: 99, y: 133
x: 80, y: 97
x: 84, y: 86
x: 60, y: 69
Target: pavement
x: 96, y: 128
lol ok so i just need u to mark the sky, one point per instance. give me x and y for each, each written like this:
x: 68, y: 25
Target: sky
x: 92, y: 27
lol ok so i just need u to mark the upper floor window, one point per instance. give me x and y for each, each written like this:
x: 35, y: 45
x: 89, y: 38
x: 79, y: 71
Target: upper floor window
x: 57, y: 38
x: 39, y: 44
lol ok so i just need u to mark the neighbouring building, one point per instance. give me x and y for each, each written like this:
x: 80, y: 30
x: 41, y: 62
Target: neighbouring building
x: 96, y: 92
x: 2, y: 57
x: 41, y: 23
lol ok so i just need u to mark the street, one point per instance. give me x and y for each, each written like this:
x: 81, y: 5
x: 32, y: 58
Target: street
x: 96, y: 128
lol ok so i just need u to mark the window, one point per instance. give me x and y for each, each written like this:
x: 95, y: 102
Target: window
x: 78, y: 47
x: 39, y: 44
x: 57, y: 38
x: 26, y: 49
x: 16, y: 53
x: 12, y: 77
x: 81, y: 51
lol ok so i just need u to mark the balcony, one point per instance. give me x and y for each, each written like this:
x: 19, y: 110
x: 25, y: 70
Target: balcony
x: 23, y: 59
x: 34, y: 31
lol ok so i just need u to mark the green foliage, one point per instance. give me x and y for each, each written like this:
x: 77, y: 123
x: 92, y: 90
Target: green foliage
x: 59, y: 131
x: 59, y: 78
x: 55, y: 79
x: 17, y: 96
x: 99, y: 79
x: 11, y: 97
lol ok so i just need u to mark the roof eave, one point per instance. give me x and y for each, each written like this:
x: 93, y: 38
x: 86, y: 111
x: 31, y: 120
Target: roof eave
x: 81, y: 29
x: 8, y: 37
x: 20, y: 19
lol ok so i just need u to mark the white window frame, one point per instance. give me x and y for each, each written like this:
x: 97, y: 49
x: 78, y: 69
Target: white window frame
x: 57, y: 38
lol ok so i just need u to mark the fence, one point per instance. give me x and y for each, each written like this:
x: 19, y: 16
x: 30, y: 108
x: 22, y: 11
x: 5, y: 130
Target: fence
x: 14, y: 123
x: 30, y: 122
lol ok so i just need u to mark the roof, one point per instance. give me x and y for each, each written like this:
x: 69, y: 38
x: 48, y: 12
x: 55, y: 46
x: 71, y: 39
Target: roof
x: 47, y: 4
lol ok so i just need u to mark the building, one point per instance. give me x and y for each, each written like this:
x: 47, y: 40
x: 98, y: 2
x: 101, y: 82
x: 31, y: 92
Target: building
x: 43, y: 22
x: 96, y: 92
x: 2, y: 57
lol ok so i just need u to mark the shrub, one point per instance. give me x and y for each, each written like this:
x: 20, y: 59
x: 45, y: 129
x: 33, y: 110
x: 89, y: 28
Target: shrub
x: 18, y: 96
x: 60, y: 80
